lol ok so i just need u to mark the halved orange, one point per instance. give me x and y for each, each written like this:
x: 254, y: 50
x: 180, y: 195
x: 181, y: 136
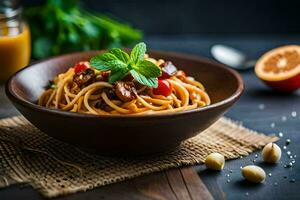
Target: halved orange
x: 280, y: 68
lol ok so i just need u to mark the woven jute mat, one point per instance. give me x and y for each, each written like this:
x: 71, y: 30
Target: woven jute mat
x: 54, y: 168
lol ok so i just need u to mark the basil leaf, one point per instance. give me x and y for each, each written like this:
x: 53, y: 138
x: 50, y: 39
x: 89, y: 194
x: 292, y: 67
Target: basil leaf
x: 150, y: 82
x: 147, y: 69
x: 138, y: 52
x: 121, y: 55
x: 117, y: 75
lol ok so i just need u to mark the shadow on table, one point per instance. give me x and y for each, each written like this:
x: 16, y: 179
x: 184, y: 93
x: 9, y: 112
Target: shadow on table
x: 207, y: 173
x: 244, y: 184
x: 267, y: 166
x: 271, y: 94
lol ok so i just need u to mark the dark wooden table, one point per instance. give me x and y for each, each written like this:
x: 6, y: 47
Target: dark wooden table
x: 259, y: 109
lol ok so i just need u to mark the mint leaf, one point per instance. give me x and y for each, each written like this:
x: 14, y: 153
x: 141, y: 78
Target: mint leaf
x: 147, y: 69
x: 117, y: 75
x: 102, y: 62
x: 138, y: 52
x: 121, y: 55
x: 117, y: 65
x: 150, y: 82
x: 107, y: 61
x: 120, y: 64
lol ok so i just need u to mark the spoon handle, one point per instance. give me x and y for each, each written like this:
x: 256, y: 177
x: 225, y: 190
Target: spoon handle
x: 249, y: 64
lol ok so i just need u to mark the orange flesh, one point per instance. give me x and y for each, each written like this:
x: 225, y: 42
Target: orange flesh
x: 282, y: 62
x: 279, y: 64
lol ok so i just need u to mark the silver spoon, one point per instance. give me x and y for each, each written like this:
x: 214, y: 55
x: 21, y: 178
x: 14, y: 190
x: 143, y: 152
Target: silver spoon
x: 231, y: 57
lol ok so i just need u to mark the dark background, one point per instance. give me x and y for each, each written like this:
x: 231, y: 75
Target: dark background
x: 202, y: 16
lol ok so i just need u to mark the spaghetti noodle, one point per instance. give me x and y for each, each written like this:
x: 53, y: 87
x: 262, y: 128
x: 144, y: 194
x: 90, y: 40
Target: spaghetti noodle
x: 88, y: 91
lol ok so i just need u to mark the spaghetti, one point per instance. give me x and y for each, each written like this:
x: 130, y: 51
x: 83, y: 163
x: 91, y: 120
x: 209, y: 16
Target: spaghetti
x: 83, y: 89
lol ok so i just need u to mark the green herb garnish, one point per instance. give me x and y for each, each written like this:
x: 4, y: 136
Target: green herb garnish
x: 61, y: 26
x: 51, y: 85
x: 121, y: 64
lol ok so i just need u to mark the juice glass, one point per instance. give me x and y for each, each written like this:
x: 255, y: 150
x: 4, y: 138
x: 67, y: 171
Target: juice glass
x: 14, y: 40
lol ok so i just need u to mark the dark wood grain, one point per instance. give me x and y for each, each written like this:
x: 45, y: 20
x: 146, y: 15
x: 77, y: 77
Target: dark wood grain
x: 186, y: 184
x: 194, y: 184
x: 175, y: 184
x: 211, y: 182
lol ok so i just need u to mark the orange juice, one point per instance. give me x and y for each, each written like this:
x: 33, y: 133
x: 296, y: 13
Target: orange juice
x: 14, y: 51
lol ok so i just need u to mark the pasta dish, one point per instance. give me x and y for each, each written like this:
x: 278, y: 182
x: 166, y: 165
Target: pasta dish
x: 117, y: 83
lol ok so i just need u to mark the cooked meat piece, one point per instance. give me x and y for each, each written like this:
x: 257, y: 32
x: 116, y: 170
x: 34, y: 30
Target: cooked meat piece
x: 84, y: 78
x: 101, y: 105
x: 110, y: 93
x: 169, y: 68
x: 139, y: 87
x: 125, y: 90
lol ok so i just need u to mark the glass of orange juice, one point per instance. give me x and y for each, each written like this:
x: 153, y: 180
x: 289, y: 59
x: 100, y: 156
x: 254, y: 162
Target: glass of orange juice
x: 14, y: 39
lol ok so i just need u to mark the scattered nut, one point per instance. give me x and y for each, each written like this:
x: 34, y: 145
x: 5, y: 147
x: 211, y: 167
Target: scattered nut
x: 215, y: 161
x: 254, y: 174
x: 271, y: 153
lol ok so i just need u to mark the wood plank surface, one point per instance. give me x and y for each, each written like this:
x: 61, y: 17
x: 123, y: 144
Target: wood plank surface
x: 194, y: 184
x: 174, y: 184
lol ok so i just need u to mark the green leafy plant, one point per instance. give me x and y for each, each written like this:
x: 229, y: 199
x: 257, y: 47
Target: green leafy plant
x: 62, y: 26
x: 121, y: 64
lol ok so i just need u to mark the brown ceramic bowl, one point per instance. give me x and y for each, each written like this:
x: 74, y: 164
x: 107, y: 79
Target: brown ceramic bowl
x: 124, y: 134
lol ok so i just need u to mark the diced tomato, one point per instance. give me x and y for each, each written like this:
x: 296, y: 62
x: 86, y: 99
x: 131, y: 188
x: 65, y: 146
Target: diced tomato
x: 164, y: 88
x: 105, y: 75
x: 164, y: 75
x: 81, y: 66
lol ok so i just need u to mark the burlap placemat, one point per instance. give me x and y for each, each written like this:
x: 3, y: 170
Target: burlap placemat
x: 54, y: 168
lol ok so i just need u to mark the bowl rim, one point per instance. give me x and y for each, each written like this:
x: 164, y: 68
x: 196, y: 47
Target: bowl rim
x: 231, y: 99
